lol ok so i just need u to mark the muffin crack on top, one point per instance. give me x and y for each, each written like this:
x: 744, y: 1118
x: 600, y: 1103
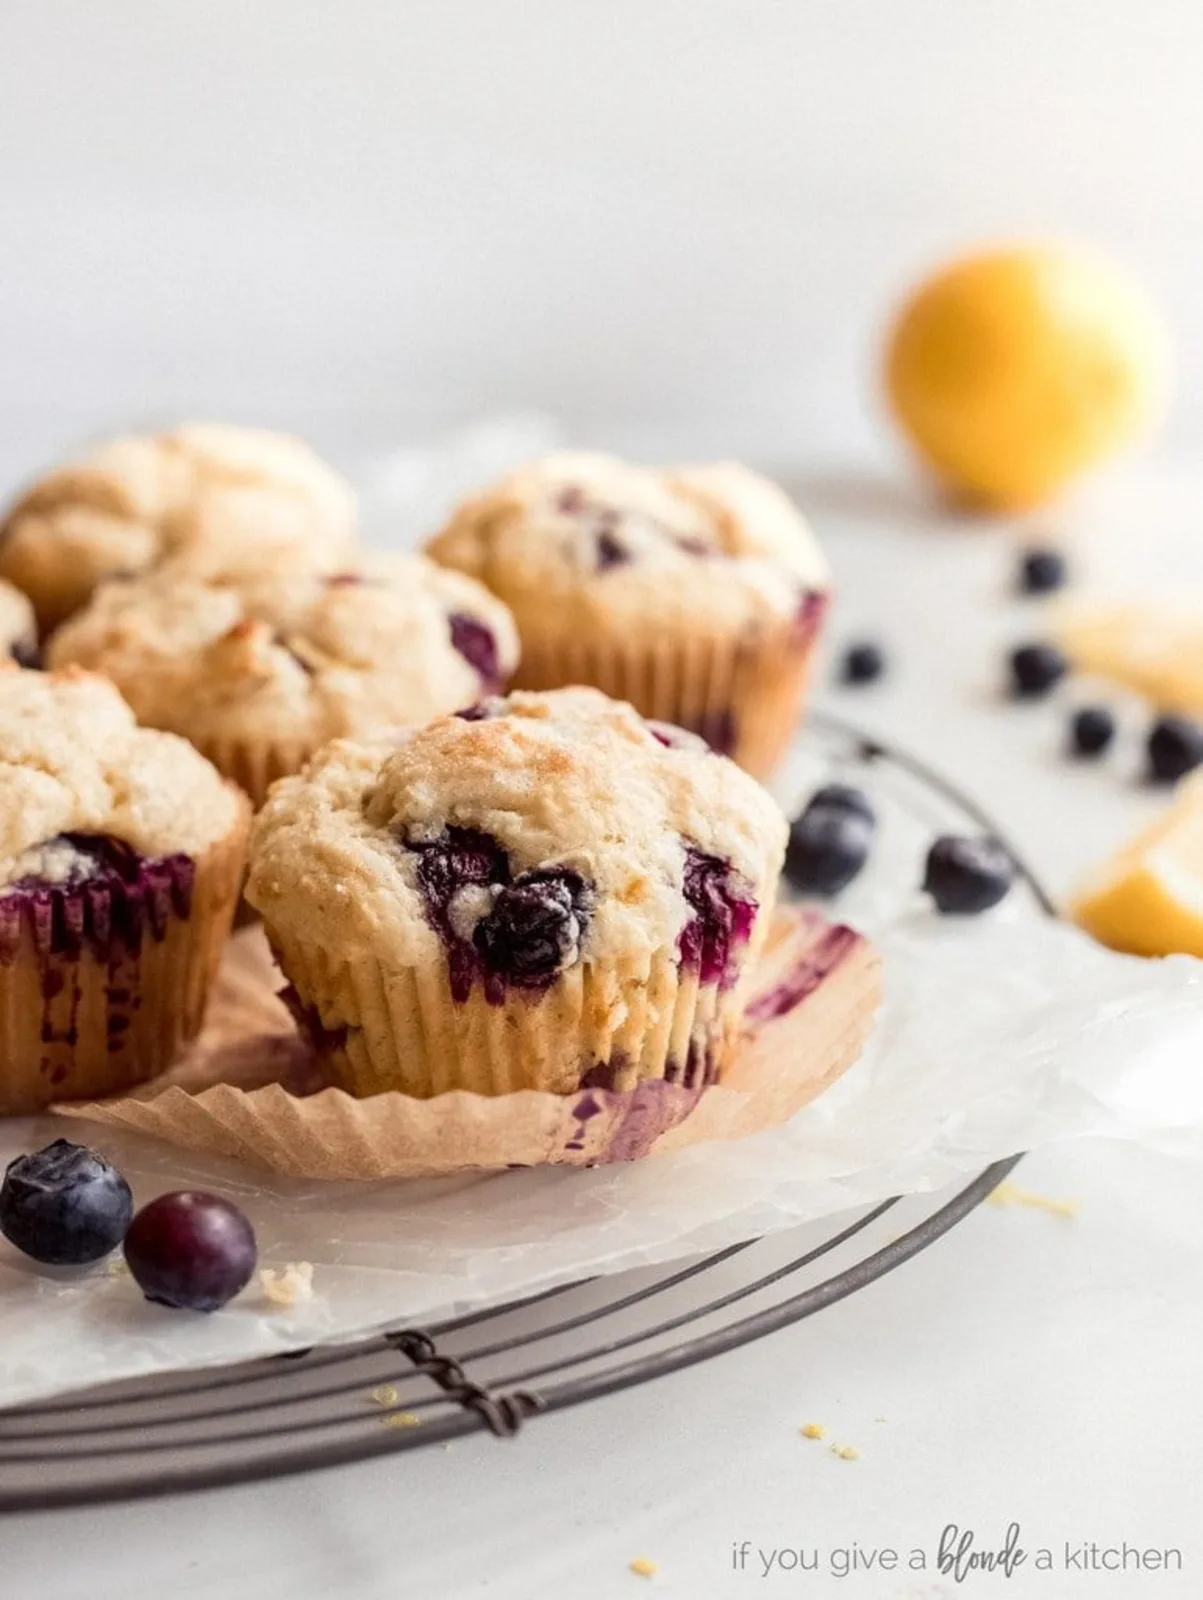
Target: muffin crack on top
x: 260, y: 666
x: 543, y: 896
x: 695, y: 592
x: 197, y: 493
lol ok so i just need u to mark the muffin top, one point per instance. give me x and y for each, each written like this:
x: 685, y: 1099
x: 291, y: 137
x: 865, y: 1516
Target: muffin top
x: 74, y: 762
x: 576, y: 539
x: 533, y: 833
x: 267, y: 654
x: 203, y: 491
x: 18, y: 630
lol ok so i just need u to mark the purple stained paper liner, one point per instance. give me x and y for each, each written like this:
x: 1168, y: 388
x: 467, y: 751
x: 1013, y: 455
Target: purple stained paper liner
x: 251, y: 1089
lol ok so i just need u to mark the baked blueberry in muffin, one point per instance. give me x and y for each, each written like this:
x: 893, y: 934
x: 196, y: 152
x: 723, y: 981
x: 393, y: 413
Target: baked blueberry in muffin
x: 259, y: 667
x: 121, y: 852
x: 199, y: 493
x: 696, y: 593
x: 18, y: 629
x: 551, y: 894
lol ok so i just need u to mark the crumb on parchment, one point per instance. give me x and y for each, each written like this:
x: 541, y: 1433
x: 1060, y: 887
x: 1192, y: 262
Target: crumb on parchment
x: 385, y: 1395
x: 401, y: 1419
x: 846, y: 1452
x: 291, y: 1287
x: 813, y: 1430
x: 1010, y: 1194
x: 117, y: 1267
x: 643, y: 1568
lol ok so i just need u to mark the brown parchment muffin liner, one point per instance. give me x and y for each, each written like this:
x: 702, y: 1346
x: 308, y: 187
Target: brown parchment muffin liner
x: 742, y: 694
x: 380, y: 1029
x: 255, y: 767
x: 99, y: 990
x: 251, y: 1089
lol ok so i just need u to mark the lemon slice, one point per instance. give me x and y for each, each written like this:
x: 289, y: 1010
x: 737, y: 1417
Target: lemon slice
x: 1154, y: 648
x: 1149, y: 899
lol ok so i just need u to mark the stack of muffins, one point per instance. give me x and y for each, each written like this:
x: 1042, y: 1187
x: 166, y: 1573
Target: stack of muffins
x: 567, y: 886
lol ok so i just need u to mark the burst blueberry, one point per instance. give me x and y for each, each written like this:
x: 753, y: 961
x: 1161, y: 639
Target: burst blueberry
x: 64, y: 1205
x: 478, y: 646
x: 534, y: 928
x: 967, y: 876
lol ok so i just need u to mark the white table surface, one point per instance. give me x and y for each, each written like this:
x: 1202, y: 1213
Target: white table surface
x: 1027, y: 1368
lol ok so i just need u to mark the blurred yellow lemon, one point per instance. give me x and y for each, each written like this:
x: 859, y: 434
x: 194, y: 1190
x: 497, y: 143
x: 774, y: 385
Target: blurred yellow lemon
x: 1154, y: 647
x: 1149, y: 900
x: 1016, y: 369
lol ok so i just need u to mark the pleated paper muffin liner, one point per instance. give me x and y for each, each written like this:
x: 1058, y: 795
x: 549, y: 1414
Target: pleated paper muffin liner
x: 381, y: 1028
x: 743, y: 695
x: 251, y: 1088
x: 102, y: 983
x: 254, y: 767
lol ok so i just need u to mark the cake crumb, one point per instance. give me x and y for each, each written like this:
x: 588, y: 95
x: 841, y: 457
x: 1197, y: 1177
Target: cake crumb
x: 643, y: 1568
x: 289, y: 1288
x: 1010, y: 1194
x: 401, y: 1419
x: 385, y: 1395
x: 846, y: 1452
x: 117, y: 1267
x: 813, y: 1430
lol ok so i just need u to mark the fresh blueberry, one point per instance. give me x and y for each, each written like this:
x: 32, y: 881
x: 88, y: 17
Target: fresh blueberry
x: 65, y: 1205
x: 1035, y: 669
x: 478, y: 646
x: 863, y: 662
x: 1091, y: 730
x: 828, y: 845
x: 843, y: 797
x: 190, y: 1250
x: 1175, y: 746
x: 1042, y: 571
x: 965, y: 876
x: 534, y: 928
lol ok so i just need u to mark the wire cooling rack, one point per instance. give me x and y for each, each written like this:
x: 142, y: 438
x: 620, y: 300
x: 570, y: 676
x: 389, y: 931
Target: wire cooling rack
x: 499, y: 1367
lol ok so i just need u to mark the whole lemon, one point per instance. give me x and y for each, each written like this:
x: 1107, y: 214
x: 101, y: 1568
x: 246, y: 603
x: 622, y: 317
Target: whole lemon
x: 1014, y: 370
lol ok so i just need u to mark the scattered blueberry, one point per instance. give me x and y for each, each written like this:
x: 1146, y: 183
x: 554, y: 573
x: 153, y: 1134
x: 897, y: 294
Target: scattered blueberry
x: 965, y: 876
x: 1036, y: 668
x: 1042, y: 571
x: 863, y: 662
x: 1175, y: 746
x: 845, y: 798
x: 1091, y: 730
x: 65, y: 1205
x: 190, y: 1250
x: 535, y: 927
x: 829, y: 842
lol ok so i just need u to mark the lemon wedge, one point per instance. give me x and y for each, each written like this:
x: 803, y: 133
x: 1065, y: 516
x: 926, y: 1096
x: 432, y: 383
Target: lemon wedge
x: 1152, y: 647
x: 1149, y: 899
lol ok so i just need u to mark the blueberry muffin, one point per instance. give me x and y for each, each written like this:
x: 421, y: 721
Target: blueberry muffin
x: 18, y: 628
x: 546, y: 892
x: 121, y: 856
x: 259, y: 668
x: 695, y: 593
x: 201, y: 491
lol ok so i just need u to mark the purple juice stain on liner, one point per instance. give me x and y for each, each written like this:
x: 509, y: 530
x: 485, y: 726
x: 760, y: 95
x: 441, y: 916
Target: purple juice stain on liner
x: 322, y: 1040
x: 803, y: 977
x: 478, y: 646
x: 724, y: 912
x: 651, y: 1109
x: 719, y: 729
x: 812, y: 608
x: 107, y: 903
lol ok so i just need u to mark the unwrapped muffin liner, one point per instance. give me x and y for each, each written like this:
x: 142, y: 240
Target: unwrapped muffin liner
x: 100, y: 986
x: 743, y: 694
x: 251, y: 1088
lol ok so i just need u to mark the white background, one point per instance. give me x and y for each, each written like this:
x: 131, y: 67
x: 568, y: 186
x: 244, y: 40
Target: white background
x: 675, y: 225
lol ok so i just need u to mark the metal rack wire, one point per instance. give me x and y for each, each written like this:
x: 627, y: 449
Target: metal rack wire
x: 493, y: 1368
